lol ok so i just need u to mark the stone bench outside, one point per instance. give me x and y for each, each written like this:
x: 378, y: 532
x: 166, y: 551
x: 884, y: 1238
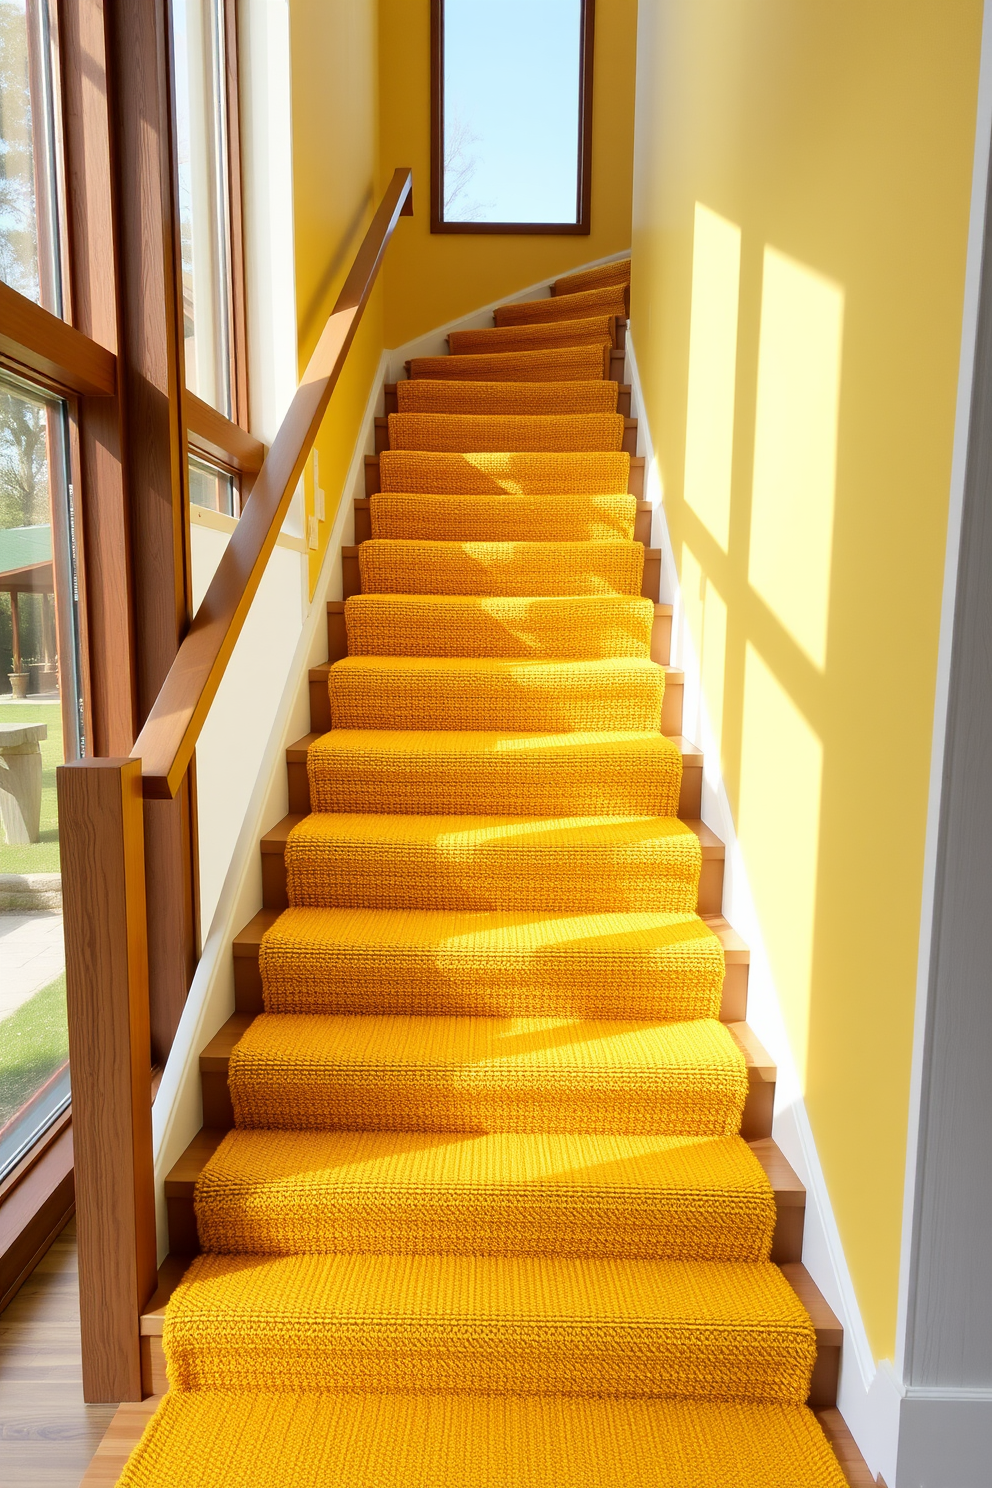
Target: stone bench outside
x: 20, y: 781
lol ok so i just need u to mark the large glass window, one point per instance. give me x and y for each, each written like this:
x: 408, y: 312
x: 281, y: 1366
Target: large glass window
x: 40, y: 726
x: 512, y: 111
x: 31, y: 215
x: 204, y: 197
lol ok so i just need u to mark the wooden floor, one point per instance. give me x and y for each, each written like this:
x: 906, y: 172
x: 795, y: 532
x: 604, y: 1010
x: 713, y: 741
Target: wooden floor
x: 47, y: 1434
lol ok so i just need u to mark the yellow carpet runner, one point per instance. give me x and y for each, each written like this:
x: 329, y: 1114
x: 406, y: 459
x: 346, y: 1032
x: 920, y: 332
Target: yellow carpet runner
x: 485, y: 1219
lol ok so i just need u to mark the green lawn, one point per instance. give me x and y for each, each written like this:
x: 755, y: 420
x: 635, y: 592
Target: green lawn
x: 34, y: 1042
x: 41, y: 856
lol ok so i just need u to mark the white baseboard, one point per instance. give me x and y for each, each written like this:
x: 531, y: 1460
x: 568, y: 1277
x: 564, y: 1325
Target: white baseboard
x: 945, y: 1439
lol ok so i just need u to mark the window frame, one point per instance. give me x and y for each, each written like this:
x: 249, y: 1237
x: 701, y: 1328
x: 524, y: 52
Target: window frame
x: 582, y: 226
x: 85, y: 360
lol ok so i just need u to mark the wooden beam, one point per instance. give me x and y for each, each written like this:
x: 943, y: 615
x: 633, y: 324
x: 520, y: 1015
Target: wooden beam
x: 36, y: 1200
x: 106, y: 968
x: 219, y: 440
x: 151, y: 373
x: 167, y: 740
x: 102, y: 531
x: 38, y: 344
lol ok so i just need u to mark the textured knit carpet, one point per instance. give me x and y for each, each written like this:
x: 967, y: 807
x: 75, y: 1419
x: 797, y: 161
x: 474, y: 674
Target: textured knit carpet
x: 485, y: 1218
x: 207, y: 1440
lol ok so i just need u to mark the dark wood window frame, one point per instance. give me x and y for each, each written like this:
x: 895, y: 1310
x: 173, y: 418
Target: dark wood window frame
x: 581, y: 227
x: 114, y: 255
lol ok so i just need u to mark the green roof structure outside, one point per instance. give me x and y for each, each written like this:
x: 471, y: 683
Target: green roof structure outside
x: 24, y: 547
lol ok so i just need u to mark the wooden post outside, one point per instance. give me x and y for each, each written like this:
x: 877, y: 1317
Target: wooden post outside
x: 106, y: 956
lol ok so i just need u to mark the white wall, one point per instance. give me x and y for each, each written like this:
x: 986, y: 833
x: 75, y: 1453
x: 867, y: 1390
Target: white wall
x: 231, y: 746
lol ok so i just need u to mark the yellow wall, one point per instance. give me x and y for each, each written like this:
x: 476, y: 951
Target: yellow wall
x: 335, y: 136
x: 806, y: 170
x: 432, y: 279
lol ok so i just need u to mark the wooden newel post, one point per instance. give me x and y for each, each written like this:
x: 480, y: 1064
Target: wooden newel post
x: 106, y: 955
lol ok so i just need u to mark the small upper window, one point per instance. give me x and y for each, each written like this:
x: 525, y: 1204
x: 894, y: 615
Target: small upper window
x: 511, y: 115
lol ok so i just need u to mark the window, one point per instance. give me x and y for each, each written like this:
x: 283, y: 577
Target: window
x: 212, y: 487
x: 31, y: 215
x: 511, y: 115
x: 40, y: 726
x: 204, y: 167
x: 71, y: 652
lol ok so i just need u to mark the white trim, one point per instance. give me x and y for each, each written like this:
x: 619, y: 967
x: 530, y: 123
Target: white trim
x: 864, y: 1399
x: 962, y: 431
x: 944, y: 1442
x: 203, y: 516
x: 434, y: 343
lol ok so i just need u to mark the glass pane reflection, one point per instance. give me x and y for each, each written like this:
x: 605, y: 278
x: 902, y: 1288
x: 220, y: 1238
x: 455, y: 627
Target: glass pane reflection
x: 31, y: 216
x: 40, y: 726
x: 201, y: 147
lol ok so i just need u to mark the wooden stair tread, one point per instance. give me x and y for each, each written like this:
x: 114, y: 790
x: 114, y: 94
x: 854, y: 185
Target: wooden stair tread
x: 735, y: 950
x: 297, y: 751
x: 274, y: 840
x: 829, y: 1329
x: 181, y: 1180
x: 758, y: 1060
x: 214, y: 1057
x: 708, y: 840
x: 790, y: 1191
x: 248, y: 939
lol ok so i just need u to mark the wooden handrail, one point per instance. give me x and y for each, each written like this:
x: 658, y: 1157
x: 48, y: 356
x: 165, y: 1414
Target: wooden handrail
x: 168, y: 738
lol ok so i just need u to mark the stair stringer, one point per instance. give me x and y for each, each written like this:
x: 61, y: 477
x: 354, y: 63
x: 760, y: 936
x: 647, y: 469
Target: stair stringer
x: 177, y: 1114
x: 867, y: 1393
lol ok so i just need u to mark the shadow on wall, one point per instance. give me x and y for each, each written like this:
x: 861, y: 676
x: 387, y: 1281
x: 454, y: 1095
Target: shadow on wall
x: 756, y: 566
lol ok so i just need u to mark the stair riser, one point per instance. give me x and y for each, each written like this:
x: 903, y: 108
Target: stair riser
x: 787, y: 1241
x: 363, y: 522
x: 661, y: 635
x: 299, y: 790
x: 218, y: 1112
x: 650, y: 580
x: 629, y: 444
x: 274, y: 895
x: 445, y: 703
x: 619, y: 341
x: 823, y: 1390
x: 320, y: 704
x: 635, y: 482
x: 248, y: 989
x: 623, y: 399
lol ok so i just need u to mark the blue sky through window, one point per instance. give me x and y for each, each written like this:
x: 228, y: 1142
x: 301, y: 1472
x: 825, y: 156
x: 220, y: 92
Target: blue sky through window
x: 511, y: 110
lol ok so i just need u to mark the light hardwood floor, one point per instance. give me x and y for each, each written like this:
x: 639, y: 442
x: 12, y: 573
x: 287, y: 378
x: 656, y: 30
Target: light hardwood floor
x: 47, y: 1434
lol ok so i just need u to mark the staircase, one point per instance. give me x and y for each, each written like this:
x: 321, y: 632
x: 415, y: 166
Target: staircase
x: 486, y: 1192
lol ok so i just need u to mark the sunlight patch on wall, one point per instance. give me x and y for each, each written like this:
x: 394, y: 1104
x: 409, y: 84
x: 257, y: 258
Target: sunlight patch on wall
x: 709, y: 423
x: 779, y: 831
x: 795, y: 448
x: 706, y: 616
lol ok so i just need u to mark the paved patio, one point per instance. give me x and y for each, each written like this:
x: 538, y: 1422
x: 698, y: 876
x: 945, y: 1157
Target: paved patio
x: 31, y: 956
